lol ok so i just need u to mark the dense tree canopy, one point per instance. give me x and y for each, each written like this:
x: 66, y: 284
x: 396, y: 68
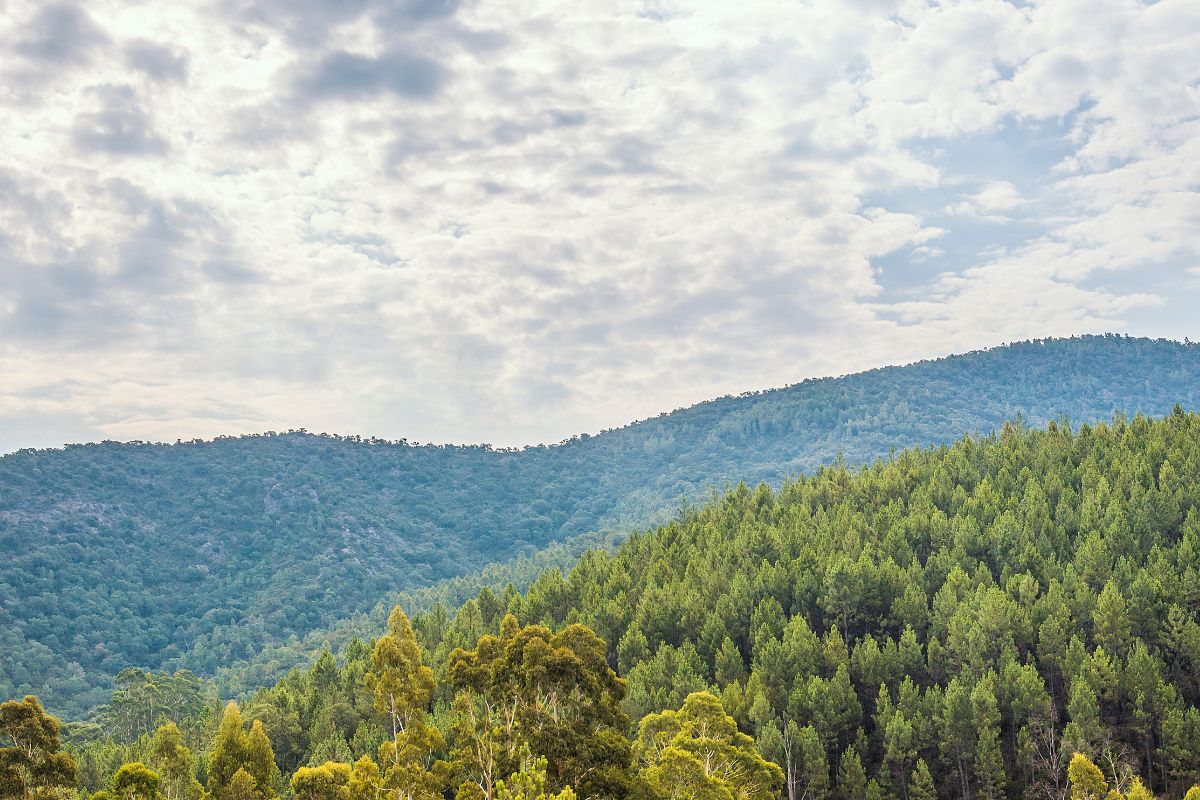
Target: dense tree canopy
x: 1012, y: 616
x: 200, y: 555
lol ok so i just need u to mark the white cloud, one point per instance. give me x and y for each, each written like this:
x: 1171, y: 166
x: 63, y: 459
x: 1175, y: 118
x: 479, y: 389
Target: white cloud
x: 509, y: 222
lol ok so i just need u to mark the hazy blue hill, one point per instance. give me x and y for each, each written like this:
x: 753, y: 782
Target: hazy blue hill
x: 120, y: 554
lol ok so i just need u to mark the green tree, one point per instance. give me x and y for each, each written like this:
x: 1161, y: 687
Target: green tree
x: 852, y: 779
x: 242, y: 786
x: 1113, y: 628
x: 399, y: 683
x: 989, y: 762
x: 1138, y: 791
x: 922, y: 787
x: 529, y: 783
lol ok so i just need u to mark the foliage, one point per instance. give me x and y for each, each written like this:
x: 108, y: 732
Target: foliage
x: 241, y: 762
x: 698, y: 752
x: 32, y: 764
x: 946, y: 624
x: 211, y: 555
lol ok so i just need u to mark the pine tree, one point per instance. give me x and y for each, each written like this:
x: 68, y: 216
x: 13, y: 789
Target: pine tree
x: 529, y: 783
x: 922, y: 787
x: 852, y: 779
x: 990, y: 779
x: 241, y: 755
x: 260, y: 760
x: 1113, y: 629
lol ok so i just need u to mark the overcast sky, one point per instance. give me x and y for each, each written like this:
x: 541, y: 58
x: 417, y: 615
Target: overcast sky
x: 509, y: 221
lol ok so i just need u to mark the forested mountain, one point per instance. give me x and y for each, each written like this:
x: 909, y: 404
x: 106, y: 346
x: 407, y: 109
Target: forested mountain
x: 198, y: 554
x: 945, y: 624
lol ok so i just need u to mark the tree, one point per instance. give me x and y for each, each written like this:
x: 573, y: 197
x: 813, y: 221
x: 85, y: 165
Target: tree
x: 1113, y: 628
x: 365, y: 783
x: 958, y: 739
x: 807, y: 770
x: 1138, y: 791
x: 330, y: 781
x: 921, y: 787
x: 989, y: 762
x: 401, y: 686
x: 552, y: 691
x: 399, y: 683
x: 699, y: 752
x: 233, y: 752
x: 242, y: 786
x: 1087, y: 781
x: 136, y: 781
x: 260, y: 760
x: 33, y: 766
x: 529, y: 783
x: 173, y: 761
x: 852, y: 779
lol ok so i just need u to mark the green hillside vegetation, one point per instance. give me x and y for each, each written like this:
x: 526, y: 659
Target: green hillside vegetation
x: 945, y: 624
x: 199, y: 555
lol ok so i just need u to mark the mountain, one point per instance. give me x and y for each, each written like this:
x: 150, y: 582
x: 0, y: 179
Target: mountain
x: 202, y: 553
x: 950, y: 622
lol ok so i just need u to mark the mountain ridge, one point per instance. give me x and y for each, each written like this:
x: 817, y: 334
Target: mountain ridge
x: 206, y: 553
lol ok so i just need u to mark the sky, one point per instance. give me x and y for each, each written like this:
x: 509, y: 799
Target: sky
x: 511, y: 221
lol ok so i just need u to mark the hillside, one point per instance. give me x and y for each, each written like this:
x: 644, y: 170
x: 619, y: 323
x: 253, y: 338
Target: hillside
x: 945, y: 624
x: 203, y: 553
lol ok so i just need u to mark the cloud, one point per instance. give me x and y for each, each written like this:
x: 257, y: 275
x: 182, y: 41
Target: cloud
x: 344, y: 75
x: 157, y: 61
x: 60, y: 34
x: 989, y: 202
x: 424, y: 218
x: 120, y: 126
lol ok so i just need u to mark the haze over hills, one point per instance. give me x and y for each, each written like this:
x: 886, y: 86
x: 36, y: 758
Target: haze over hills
x: 199, y: 554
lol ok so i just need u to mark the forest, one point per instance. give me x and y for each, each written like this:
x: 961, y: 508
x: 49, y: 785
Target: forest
x: 236, y: 558
x: 1007, y: 616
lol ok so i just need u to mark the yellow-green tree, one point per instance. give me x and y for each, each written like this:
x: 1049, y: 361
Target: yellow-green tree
x: 330, y: 781
x: 241, y: 763
x: 136, y: 781
x: 554, y: 692
x: 32, y: 765
x: 698, y: 752
x: 1087, y: 781
x: 401, y: 686
x: 171, y: 758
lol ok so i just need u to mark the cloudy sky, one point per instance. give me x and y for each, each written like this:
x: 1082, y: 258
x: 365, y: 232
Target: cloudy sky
x: 509, y: 221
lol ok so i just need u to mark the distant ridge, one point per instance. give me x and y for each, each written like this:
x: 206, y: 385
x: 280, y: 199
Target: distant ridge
x: 201, y: 554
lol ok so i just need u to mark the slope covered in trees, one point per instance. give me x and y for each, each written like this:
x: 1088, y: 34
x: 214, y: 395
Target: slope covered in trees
x: 199, y: 554
x: 946, y: 624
